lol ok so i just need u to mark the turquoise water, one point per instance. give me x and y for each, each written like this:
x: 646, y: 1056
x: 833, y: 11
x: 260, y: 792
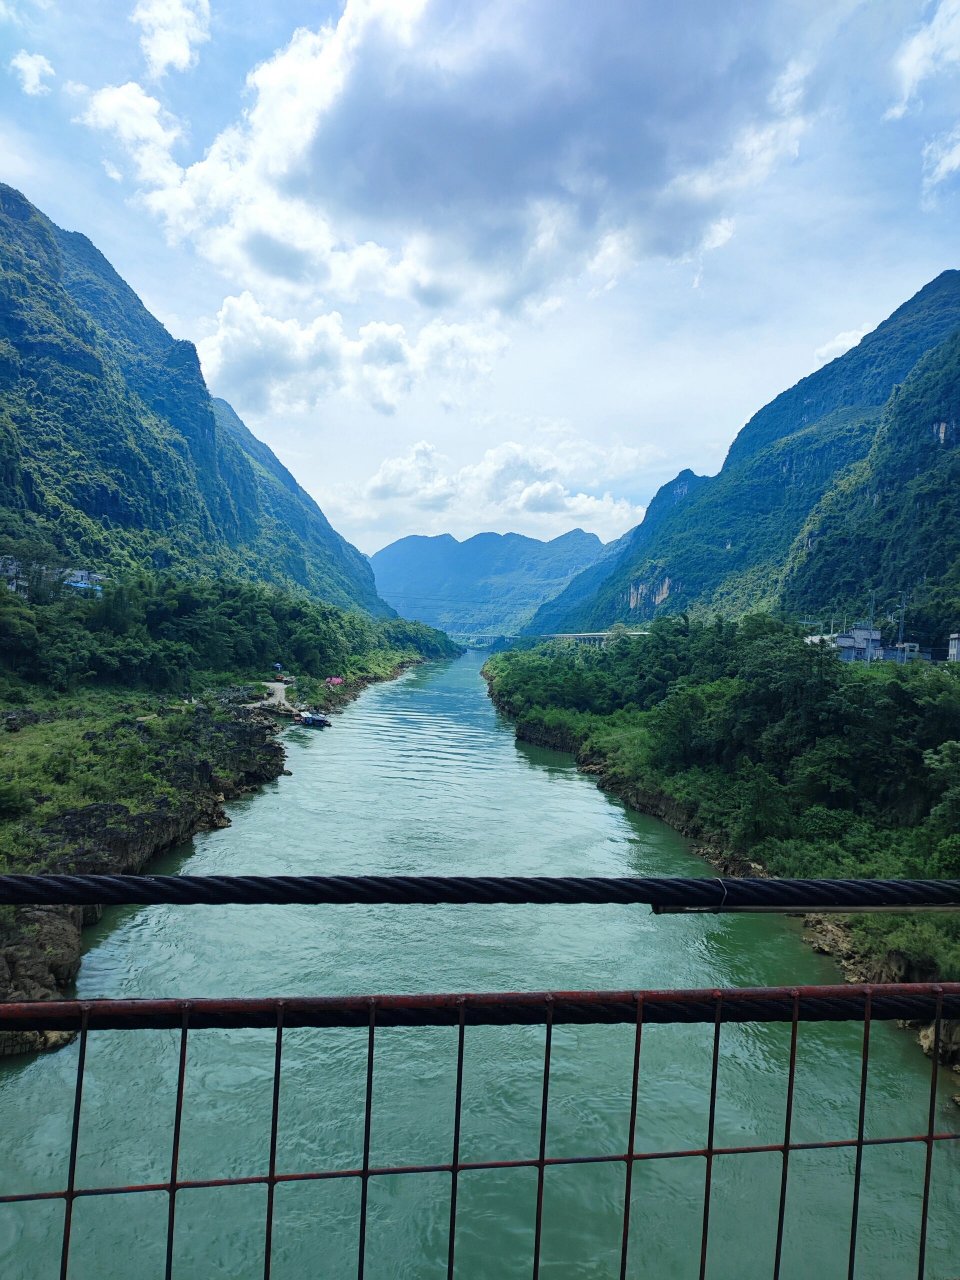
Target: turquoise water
x: 422, y: 776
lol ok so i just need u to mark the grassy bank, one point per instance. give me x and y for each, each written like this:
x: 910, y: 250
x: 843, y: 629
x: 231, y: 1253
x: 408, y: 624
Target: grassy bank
x: 115, y: 699
x: 125, y: 723
x: 771, y: 749
x: 137, y: 755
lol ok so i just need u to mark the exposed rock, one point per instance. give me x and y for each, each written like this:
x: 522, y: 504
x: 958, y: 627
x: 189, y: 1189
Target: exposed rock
x: 40, y: 950
x: 949, y: 1041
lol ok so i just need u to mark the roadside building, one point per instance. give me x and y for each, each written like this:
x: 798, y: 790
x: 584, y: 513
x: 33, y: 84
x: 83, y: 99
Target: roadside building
x: 83, y: 580
x: 906, y: 651
x: 953, y: 652
x: 18, y: 577
x: 860, y: 644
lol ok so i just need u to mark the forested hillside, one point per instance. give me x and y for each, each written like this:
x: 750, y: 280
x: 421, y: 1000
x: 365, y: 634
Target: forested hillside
x: 575, y: 607
x: 892, y: 524
x: 747, y: 737
x: 159, y: 632
x: 489, y: 584
x: 731, y: 544
x: 113, y: 456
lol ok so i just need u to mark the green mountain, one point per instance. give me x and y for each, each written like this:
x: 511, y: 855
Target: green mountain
x: 891, y: 524
x: 575, y: 602
x: 488, y: 585
x: 114, y: 456
x: 728, y: 542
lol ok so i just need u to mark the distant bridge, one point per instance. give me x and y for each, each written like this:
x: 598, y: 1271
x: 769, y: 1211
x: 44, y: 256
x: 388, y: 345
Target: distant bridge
x: 595, y: 638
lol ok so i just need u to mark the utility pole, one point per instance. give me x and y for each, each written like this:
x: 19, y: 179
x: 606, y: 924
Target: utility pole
x: 900, y: 649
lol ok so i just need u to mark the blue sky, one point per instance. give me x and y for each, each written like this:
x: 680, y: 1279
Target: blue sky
x: 509, y: 264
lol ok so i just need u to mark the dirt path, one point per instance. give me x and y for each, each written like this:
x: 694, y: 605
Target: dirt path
x: 277, y: 695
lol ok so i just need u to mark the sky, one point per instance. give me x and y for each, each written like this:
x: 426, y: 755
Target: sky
x: 501, y: 265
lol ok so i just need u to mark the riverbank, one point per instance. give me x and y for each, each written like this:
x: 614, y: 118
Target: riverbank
x: 828, y: 935
x: 171, y: 768
x: 305, y: 692
x: 420, y: 776
x: 167, y: 773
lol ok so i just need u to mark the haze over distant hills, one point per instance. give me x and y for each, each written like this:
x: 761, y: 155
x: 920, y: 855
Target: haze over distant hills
x: 843, y: 488
x: 113, y: 454
x: 489, y: 584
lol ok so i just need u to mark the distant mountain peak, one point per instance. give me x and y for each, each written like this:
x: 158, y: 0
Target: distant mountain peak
x: 490, y: 583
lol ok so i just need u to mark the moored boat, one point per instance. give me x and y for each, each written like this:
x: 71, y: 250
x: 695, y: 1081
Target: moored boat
x: 313, y: 720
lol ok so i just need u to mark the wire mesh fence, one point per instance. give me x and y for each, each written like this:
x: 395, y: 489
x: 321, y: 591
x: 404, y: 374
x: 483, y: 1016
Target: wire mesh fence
x: 374, y: 1019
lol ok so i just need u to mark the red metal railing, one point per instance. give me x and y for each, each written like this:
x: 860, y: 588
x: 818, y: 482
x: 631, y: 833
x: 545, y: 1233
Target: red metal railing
x: 933, y: 1003
x: 375, y: 1015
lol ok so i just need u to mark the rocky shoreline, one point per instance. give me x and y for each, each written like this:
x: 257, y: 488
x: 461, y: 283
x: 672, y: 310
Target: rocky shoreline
x: 826, y: 934
x: 224, y: 757
x: 229, y: 755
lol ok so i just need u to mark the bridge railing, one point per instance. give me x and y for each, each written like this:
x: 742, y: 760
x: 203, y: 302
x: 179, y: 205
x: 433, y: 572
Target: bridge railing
x: 377, y: 1016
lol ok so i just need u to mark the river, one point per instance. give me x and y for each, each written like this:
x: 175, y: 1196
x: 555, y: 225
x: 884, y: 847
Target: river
x: 422, y: 776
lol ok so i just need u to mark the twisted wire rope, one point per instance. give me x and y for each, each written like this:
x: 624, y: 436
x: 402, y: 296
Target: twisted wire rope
x: 666, y: 893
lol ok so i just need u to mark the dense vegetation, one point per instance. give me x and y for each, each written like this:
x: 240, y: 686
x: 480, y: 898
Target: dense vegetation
x: 769, y: 747
x: 165, y: 634
x: 114, y: 458
x: 109, y: 757
x: 94, y: 690
x: 489, y: 584
x: 893, y: 524
x: 112, y: 452
x: 824, y: 477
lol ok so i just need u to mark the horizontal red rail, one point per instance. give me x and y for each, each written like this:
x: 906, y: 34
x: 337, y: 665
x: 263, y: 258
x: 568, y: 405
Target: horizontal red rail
x: 474, y: 1166
x: 839, y: 1003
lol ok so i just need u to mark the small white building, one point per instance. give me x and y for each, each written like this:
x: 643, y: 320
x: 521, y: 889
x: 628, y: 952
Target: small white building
x: 953, y: 652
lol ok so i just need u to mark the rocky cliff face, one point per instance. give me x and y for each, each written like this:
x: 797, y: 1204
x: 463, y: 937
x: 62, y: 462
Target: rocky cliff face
x: 40, y: 947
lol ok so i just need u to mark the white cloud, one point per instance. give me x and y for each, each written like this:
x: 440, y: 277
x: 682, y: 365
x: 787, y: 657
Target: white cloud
x: 754, y: 153
x: 941, y: 159
x: 33, y: 69
x: 841, y: 343
x: 718, y: 234
x: 18, y: 15
x: 534, y: 488
x: 481, y: 156
x: 146, y: 131
x: 614, y: 256
x: 171, y: 31
x: 287, y: 366
x: 930, y: 50
x: 417, y: 477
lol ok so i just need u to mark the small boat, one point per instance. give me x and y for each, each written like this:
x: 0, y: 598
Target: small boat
x: 314, y: 720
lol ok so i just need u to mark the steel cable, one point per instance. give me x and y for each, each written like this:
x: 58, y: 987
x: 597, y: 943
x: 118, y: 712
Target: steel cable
x: 661, y: 893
